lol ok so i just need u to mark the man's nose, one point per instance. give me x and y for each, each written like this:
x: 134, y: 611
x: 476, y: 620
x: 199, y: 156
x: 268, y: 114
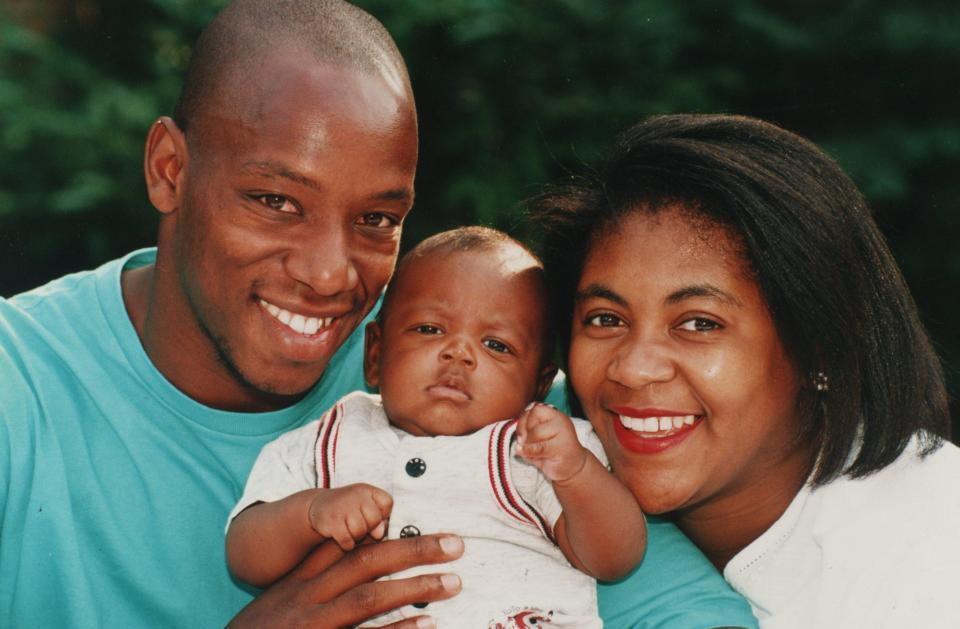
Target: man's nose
x: 323, y: 260
x: 457, y: 350
x: 641, y: 361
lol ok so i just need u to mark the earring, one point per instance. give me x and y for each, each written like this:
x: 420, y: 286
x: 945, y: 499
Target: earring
x: 820, y: 381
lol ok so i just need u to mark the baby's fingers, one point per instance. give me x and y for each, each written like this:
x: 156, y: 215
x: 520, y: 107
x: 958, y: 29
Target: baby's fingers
x: 343, y: 535
x: 374, y: 520
x: 383, y: 501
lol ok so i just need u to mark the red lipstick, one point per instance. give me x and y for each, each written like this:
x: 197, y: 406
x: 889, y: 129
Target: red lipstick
x: 651, y: 442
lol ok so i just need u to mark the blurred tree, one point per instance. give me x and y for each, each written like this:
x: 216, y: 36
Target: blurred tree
x: 511, y: 94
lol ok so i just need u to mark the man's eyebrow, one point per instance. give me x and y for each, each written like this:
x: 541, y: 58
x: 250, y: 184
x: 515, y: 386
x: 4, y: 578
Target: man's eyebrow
x: 399, y: 194
x: 276, y: 169
x: 599, y: 291
x: 702, y: 290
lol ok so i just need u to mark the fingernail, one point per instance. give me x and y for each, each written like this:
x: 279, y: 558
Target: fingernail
x: 530, y: 405
x: 451, y: 545
x: 425, y: 622
x: 451, y: 582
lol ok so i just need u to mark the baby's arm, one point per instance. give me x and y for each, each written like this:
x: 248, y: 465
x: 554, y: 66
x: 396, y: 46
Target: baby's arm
x: 268, y: 539
x: 601, y: 530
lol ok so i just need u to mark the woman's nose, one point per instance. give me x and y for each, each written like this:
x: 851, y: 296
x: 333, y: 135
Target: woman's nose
x: 638, y: 363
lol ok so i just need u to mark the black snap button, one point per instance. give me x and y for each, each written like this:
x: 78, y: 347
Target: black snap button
x: 420, y: 605
x: 416, y: 467
x: 409, y: 531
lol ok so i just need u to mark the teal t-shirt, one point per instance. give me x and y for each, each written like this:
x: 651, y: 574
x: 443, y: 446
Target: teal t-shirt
x: 115, y: 486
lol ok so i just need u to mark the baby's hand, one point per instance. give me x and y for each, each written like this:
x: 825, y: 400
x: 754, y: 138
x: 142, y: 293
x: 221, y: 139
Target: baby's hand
x: 547, y: 439
x: 347, y: 514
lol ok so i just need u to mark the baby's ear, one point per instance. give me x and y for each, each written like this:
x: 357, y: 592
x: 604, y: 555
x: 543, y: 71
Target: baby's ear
x: 371, y: 354
x: 545, y: 379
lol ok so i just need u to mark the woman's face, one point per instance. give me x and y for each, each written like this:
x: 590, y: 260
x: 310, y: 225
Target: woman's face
x: 678, y: 365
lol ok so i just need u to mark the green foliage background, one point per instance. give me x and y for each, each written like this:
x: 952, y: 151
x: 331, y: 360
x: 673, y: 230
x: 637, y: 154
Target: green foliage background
x: 511, y: 95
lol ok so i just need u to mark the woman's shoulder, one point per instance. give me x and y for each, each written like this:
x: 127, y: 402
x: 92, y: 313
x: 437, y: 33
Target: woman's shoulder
x: 921, y: 478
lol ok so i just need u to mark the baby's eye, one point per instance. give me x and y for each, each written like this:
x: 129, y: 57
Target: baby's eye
x: 700, y: 324
x: 497, y: 346
x: 277, y: 202
x: 604, y: 320
x: 428, y: 329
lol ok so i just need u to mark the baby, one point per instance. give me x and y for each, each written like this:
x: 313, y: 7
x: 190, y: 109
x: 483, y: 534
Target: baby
x: 454, y: 444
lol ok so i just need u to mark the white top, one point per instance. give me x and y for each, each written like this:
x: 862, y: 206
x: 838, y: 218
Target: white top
x: 472, y: 485
x: 881, y: 551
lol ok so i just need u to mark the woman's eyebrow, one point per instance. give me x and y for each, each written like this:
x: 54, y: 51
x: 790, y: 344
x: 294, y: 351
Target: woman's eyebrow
x: 600, y: 291
x: 701, y: 290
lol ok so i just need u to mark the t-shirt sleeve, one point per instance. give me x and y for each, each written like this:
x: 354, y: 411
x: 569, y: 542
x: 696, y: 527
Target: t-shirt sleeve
x: 674, y: 587
x: 283, y: 467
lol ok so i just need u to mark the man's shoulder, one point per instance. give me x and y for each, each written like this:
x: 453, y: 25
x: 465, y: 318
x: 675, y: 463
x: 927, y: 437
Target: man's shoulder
x: 48, y: 334
x: 70, y: 293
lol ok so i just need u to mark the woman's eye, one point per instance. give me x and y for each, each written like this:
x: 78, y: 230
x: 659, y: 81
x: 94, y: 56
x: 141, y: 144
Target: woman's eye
x: 377, y: 219
x: 604, y: 320
x: 496, y: 346
x: 700, y: 324
x: 428, y: 329
x: 277, y: 202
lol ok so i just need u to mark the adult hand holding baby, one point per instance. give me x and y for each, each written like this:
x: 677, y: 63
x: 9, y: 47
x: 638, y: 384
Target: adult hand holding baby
x: 333, y: 588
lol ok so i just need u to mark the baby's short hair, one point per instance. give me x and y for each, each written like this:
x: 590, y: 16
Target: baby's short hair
x: 473, y: 238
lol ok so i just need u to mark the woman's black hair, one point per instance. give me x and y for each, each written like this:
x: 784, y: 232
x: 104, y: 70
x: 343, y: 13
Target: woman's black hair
x: 835, y: 293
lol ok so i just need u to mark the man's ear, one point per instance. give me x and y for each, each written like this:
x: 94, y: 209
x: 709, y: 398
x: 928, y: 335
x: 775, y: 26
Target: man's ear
x: 164, y: 164
x: 544, y: 380
x: 371, y: 354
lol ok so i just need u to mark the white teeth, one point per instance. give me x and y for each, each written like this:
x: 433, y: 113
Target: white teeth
x: 297, y: 322
x: 656, y: 424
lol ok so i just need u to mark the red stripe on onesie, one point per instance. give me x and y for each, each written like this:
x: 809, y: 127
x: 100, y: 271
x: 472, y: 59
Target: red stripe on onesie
x: 493, y: 464
x: 501, y: 438
x: 328, y: 434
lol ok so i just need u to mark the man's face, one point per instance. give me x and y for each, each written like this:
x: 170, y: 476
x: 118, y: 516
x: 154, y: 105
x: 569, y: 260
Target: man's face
x: 461, y: 343
x: 293, y: 197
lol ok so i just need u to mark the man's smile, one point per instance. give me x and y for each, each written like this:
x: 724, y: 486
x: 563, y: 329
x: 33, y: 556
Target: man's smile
x: 299, y: 323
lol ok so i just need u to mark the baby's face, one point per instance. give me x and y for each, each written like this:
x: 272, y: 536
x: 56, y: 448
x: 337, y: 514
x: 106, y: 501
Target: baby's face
x: 462, y: 342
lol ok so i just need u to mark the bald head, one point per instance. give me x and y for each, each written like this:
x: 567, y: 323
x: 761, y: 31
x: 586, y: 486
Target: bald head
x: 235, y: 44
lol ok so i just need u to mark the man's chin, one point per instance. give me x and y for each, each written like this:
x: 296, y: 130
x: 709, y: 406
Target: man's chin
x: 281, y: 387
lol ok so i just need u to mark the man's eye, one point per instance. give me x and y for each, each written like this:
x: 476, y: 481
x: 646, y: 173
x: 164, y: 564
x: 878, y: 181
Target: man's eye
x: 428, y: 329
x: 604, y: 320
x: 277, y: 202
x: 377, y: 219
x: 700, y: 324
x: 497, y: 346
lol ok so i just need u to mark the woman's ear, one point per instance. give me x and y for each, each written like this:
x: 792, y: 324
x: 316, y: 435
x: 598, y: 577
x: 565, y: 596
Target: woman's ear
x: 544, y: 380
x: 164, y: 164
x: 371, y: 354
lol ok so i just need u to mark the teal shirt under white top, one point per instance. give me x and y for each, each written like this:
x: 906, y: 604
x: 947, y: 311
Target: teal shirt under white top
x: 115, y: 486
